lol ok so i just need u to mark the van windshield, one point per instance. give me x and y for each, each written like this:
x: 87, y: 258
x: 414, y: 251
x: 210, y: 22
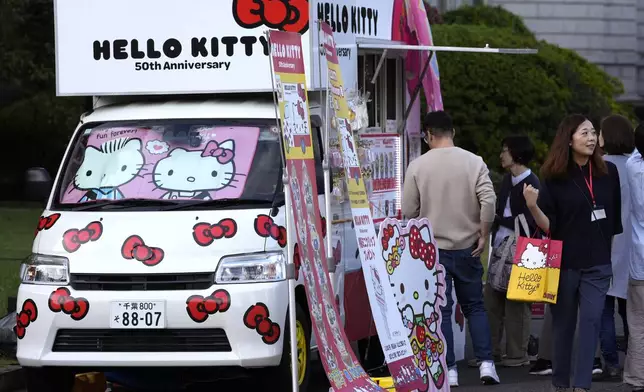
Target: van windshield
x: 174, y: 163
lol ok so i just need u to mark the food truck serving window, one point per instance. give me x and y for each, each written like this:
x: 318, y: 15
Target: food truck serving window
x: 385, y: 98
x: 184, y: 161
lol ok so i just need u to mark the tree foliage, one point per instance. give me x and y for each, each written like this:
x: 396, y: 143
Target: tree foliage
x: 494, y: 95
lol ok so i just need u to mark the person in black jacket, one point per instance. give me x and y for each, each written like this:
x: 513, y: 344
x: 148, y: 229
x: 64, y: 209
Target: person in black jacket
x: 503, y: 314
x: 579, y: 203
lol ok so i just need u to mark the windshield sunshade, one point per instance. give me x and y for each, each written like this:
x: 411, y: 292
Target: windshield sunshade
x: 172, y: 161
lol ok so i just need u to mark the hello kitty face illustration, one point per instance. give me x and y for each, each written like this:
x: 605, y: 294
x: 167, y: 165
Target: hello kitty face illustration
x: 104, y: 169
x: 295, y: 186
x: 532, y: 258
x: 414, y: 284
x: 316, y: 308
x: 192, y: 174
x: 330, y: 314
x: 320, y: 270
x: 306, y: 188
x: 330, y: 358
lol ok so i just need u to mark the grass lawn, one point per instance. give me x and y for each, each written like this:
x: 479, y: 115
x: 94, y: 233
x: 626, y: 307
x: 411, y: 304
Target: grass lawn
x: 17, y: 224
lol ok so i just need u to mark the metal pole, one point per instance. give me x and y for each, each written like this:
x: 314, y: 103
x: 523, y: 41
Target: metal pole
x: 330, y: 261
x: 290, y: 267
x: 414, y: 94
x: 430, y: 48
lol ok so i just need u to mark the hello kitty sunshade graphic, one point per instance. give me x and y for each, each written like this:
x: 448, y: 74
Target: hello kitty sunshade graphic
x: 204, y: 163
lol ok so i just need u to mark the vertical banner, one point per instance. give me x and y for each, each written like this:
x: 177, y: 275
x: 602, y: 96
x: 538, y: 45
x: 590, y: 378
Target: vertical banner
x: 342, y: 368
x: 395, y: 344
x: 410, y: 256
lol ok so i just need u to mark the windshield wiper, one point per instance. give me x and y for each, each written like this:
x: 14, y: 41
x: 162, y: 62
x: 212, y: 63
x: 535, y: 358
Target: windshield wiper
x: 125, y: 203
x: 217, y: 203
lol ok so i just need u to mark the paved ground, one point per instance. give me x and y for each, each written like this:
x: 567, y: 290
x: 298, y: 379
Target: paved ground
x: 518, y: 379
x: 513, y: 380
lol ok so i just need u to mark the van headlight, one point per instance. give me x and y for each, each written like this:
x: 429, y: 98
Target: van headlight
x: 253, y: 267
x: 44, y: 269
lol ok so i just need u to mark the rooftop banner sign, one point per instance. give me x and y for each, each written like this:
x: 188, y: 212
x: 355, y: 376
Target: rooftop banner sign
x: 122, y: 47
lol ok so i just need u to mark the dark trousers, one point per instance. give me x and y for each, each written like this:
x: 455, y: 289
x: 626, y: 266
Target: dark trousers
x: 511, y: 317
x: 584, y: 290
x: 607, y: 334
x: 466, y: 273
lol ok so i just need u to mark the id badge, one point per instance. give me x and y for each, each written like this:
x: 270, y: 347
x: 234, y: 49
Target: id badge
x: 598, y: 213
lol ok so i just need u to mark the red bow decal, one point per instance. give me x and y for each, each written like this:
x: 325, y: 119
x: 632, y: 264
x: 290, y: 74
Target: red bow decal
x: 337, y: 253
x: 213, y: 149
x: 205, y: 233
x: 323, y: 223
x: 266, y: 227
x: 46, y: 222
x: 297, y: 261
x: 199, y: 308
x: 257, y: 318
x: 420, y: 249
x: 61, y: 300
x: 74, y: 238
x: 285, y: 15
x: 387, y: 234
x: 27, y: 315
x: 135, y: 248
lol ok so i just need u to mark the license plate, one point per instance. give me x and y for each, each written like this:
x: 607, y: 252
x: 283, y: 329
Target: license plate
x: 137, y: 314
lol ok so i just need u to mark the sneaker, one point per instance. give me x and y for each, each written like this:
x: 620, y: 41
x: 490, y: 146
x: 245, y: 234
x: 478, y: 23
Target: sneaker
x: 474, y: 363
x: 487, y: 370
x: 559, y: 389
x: 516, y: 362
x: 580, y: 390
x: 452, y: 376
x: 542, y: 367
x: 598, y: 369
x: 612, y: 373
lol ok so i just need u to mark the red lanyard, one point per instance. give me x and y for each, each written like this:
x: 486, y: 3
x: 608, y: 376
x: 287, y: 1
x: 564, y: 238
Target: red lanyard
x: 589, y: 181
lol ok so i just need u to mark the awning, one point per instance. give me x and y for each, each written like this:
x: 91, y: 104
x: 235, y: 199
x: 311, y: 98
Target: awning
x: 377, y: 44
x: 396, y: 46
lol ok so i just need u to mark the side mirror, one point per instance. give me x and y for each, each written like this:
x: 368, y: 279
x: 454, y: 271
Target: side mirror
x: 38, y: 184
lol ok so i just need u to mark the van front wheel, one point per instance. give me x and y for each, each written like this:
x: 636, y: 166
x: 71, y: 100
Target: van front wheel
x: 303, y: 337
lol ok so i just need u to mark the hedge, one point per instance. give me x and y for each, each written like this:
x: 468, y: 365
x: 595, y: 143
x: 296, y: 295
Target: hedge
x: 494, y: 95
x: 495, y: 17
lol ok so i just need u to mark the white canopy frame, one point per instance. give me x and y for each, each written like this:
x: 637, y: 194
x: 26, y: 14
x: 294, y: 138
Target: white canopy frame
x: 385, y: 47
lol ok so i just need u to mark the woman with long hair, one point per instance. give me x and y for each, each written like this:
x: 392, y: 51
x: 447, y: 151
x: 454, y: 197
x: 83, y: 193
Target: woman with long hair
x: 579, y: 203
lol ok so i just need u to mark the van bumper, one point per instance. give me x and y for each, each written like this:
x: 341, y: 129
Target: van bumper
x: 59, y: 336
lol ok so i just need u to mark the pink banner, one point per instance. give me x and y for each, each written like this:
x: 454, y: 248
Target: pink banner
x: 411, y: 26
x: 342, y: 368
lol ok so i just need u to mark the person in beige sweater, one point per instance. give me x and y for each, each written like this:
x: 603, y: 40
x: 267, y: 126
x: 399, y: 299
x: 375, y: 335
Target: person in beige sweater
x: 452, y: 188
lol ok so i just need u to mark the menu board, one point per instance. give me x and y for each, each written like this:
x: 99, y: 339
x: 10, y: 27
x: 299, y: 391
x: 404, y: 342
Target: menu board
x: 380, y: 156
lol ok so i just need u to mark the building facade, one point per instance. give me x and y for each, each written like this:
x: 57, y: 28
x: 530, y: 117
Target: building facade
x: 609, y: 33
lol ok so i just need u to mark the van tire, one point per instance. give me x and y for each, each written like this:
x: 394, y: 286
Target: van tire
x: 49, y: 379
x: 283, y: 381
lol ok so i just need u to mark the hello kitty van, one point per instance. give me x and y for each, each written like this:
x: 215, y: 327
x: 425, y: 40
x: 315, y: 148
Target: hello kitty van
x: 162, y: 244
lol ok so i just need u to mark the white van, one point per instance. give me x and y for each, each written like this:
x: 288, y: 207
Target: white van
x: 162, y: 244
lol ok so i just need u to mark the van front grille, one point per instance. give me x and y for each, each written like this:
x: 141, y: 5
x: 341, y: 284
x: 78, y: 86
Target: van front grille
x: 141, y: 340
x: 142, y: 282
